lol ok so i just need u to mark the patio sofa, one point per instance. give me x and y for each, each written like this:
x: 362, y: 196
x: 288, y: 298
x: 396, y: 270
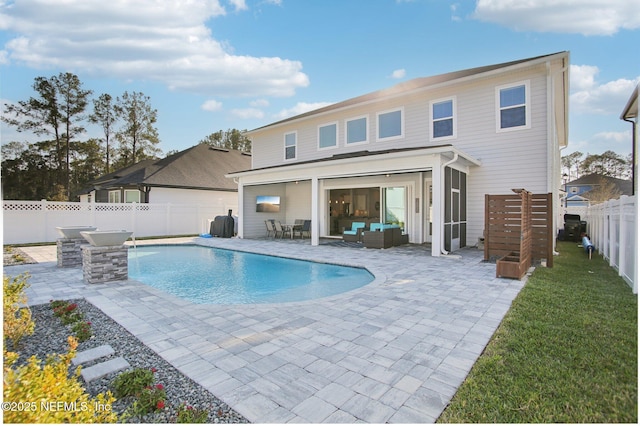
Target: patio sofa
x: 382, y: 235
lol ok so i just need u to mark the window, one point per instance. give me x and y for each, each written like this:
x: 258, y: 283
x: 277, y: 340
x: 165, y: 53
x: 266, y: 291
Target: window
x: 574, y: 189
x: 131, y: 196
x: 390, y: 125
x: 513, y: 107
x: 328, y: 136
x: 114, y: 196
x: 357, y: 131
x: 290, y: 146
x: 442, y: 119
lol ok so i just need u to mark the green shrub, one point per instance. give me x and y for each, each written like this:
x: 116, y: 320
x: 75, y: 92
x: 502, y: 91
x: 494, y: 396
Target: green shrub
x: 45, y: 393
x: 132, y: 382
x: 151, y: 398
x: 17, y: 321
x: 189, y: 414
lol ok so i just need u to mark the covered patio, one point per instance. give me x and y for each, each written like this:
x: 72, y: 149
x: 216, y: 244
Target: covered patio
x: 423, y: 190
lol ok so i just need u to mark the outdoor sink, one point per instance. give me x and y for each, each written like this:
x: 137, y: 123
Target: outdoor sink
x: 73, y: 232
x: 106, y: 238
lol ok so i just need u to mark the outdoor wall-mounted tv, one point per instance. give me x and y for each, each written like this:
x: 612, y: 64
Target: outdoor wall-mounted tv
x: 268, y: 203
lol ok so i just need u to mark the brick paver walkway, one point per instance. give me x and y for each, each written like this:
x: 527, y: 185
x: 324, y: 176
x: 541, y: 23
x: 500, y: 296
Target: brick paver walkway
x: 393, y: 351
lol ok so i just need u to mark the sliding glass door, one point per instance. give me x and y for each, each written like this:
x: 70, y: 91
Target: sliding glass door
x: 394, y: 200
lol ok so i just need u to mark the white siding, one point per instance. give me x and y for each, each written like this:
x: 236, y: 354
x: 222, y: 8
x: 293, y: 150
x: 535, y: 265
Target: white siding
x: 513, y: 159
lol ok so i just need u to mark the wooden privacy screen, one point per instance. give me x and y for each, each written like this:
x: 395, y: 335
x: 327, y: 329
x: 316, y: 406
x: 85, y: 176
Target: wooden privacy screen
x: 503, y: 218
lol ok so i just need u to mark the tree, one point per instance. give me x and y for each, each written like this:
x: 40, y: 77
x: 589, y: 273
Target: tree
x: 104, y: 115
x: 569, y: 162
x: 605, y: 190
x: 231, y: 139
x: 58, y: 112
x: 608, y: 163
x: 73, y: 104
x: 138, y: 138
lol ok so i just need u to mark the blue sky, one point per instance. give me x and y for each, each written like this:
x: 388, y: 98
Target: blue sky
x: 220, y: 64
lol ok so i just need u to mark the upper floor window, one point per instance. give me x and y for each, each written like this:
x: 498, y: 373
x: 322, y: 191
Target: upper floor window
x: 443, y: 119
x: 328, y: 136
x: 513, y: 107
x: 574, y: 189
x: 357, y: 130
x: 390, y: 124
x: 290, y: 146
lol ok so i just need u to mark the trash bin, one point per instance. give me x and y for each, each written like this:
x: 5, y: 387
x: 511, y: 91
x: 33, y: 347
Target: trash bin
x: 573, y: 227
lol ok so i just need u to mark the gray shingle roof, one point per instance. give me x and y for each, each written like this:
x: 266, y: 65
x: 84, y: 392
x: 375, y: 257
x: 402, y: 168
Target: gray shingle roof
x: 198, y: 167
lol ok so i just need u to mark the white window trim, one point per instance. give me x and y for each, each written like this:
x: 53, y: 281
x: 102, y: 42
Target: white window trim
x: 454, y: 108
x: 527, y: 106
x: 390, y: 138
x: 366, y: 131
x: 117, y: 193
x: 131, y: 190
x: 284, y: 142
x: 333, y: 123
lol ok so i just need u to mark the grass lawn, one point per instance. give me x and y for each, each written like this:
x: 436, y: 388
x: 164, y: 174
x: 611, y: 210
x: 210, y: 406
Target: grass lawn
x: 566, y: 352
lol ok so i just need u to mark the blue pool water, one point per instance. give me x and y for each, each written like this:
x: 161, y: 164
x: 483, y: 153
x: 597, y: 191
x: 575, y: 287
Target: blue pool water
x: 208, y: 275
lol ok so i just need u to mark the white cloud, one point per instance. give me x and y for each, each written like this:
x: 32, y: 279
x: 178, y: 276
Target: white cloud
x: 400, y: 73
x: 616, y: 137
x: 454, y: 12
x: 587, y: 17
x: 146, y: 40
x: 259, y: 103
x: 590, y: 97
x: 212, y: 105
x: 300, y: 108
x: 247, y: 113
x: 239, y: 4
x: 583, y: 76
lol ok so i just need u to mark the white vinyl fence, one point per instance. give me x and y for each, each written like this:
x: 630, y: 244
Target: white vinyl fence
x: 36, y: 221
x: 612, y: 228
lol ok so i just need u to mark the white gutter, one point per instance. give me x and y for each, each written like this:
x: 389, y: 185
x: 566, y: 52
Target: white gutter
x: 453, y: 160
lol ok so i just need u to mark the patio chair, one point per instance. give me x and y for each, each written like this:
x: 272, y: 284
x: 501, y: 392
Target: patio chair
x: 304, y: 228
x: 280, y: 229
x: 270, y: 228
x: 353, y: 234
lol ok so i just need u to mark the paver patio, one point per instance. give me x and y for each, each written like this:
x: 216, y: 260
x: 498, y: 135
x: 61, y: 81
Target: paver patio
x: 393, y: 351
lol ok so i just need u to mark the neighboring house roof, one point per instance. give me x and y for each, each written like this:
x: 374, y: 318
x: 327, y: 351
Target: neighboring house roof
x: 199, y: 167
x: 594, y: 179
x: 413, y: 85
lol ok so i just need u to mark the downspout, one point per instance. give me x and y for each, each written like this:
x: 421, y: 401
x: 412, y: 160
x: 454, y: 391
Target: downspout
x: 633, y: 155
x: 453, y: 160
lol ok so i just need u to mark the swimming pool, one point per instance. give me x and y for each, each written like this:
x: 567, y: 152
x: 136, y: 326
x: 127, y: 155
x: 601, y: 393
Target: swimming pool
x: 209, y: 275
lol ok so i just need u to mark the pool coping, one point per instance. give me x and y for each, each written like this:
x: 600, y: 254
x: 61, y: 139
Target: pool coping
x: 392, y: 352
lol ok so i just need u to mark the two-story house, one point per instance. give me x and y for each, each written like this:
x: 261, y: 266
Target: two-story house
x: 421, y: 154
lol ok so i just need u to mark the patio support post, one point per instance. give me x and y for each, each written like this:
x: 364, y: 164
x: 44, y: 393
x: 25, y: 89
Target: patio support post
x: 438, y: 207
x: 240, y: 209
x: 315, y: 212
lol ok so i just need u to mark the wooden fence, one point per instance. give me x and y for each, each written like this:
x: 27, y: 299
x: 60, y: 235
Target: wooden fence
x: 612, y: 227
x: 36, y: 221
x: 503, y: 226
